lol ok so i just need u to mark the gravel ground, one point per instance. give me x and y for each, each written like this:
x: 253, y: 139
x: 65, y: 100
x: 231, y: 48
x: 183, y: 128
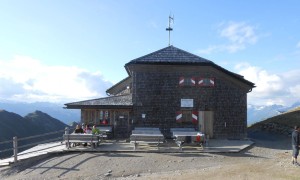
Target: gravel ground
x: 269, y: 158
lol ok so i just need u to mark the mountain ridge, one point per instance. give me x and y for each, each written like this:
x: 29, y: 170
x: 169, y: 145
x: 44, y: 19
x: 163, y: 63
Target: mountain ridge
x: 12, y: 124
x: 281, y: 124
x: 257, y: 113
x: 55, y: 110
x: 36, y: 123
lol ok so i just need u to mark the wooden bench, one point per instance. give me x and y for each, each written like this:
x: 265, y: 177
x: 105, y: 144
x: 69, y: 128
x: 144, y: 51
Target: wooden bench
x: 146, y: 136
x: 187, y: 136
x: 105, y: 130
x: 146, y: 139
x: 146, y: 128
x: 94, y: 140
x: 145, y: 132
x: 181, y: 130
x: 182, y: 138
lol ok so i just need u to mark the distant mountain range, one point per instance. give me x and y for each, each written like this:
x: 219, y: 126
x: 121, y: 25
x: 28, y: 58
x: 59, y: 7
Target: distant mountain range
x: 255, y: 113
x: 32, y: 124
x: 281, y: 124
x: 258, y: 113
x: 12, y: 124
x: 55, y: 110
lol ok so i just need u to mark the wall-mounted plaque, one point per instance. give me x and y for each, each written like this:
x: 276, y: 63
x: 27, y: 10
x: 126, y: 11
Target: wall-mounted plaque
x: 187, y: 102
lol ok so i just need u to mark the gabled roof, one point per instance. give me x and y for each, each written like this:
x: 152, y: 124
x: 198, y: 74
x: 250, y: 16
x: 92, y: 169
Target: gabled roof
x: 122, y: 101
x: 170, y: 55
x: 174, y: 56
x: 115, y: 89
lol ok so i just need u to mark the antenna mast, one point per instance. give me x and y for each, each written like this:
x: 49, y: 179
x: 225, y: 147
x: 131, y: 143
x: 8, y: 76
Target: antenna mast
x: 171, y: 20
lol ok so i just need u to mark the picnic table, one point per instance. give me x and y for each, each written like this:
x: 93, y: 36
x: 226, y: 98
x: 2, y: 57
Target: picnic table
x: 143, y: 135
x: 73, y: 138
x: 105, y: 130
x: 187, y: 136
x: 147, y: 128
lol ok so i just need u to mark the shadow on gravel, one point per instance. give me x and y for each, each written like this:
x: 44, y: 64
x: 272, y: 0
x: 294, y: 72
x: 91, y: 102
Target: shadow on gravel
x: 33, y: 167
x: 243, y: 153
x: 41, y: 164
x: 46, y: 169
x: 76, y: 165
x: 120, y: 155
x: 26, y: 164
x: 190, y: 155
x: 270, y: 140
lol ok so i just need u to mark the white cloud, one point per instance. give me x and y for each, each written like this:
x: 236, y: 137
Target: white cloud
x: 295, y: 90
x: 298, y: 45
x: 271, y: 88
x: 27, y: 79
x: 238, y: 35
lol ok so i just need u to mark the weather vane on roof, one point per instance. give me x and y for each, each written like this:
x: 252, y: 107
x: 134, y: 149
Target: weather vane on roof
x: 171, y: 21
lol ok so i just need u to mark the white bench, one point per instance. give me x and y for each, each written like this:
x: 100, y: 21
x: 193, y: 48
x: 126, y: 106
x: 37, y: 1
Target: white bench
x: 187, y: 136
x: 106, y: 129
x: 94, y: 140
x: 147, y: 128
x: 182, y: 129
x: 146, y: 136
x: 146, y: 139
x: 172, y: 130
x: 145, y: 132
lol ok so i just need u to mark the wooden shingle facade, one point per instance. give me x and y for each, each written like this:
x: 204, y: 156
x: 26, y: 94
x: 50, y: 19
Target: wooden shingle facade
x: 173, y: 88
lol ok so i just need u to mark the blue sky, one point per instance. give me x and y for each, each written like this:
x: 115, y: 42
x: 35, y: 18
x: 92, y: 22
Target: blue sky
x: 62, y: 51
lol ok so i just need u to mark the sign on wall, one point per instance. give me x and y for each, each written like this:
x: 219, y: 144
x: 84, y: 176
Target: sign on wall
x: 143, y: 116
x: 187, y: 102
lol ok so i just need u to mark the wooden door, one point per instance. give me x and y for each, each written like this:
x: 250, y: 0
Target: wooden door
x: 121, y: 124
x: 206, y: 123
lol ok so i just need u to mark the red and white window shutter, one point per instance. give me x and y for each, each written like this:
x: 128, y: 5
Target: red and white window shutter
x: 193, y: 81
x: 195, y: 117
x: 206, y: 82
x: 201, y: 82
x: 178, y: 116
x: 212, y: 81
x: 181, y: 81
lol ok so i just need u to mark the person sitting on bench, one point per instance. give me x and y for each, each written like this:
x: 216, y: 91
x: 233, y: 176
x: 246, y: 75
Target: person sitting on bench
x: 87, y: 130
x: 95, y: 130
x: 78, y: 129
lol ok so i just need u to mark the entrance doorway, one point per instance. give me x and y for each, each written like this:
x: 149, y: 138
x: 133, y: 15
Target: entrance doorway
x: 121, y: 124
x: 206, y: 123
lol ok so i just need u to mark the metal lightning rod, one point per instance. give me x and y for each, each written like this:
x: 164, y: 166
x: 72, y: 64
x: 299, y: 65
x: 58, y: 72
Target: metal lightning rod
x: 171, y: 20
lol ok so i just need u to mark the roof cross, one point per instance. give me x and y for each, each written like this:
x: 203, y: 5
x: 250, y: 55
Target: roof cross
x: 171, y: 20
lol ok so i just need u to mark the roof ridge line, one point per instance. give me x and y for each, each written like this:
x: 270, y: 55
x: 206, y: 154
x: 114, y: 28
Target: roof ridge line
x: 99, y: 98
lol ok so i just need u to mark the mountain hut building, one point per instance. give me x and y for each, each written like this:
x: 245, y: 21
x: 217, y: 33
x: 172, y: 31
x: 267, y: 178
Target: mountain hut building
x: 172, y: 88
